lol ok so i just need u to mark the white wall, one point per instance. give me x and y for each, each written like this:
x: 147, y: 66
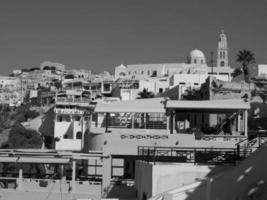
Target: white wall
x: 128, y: 94
x: 143, y: 179
x: 262, y: 70
x: 128, y: 140
x: 61, y: 128
x: 193, y: 80
x: 222, y: 77
x: 154, y: 179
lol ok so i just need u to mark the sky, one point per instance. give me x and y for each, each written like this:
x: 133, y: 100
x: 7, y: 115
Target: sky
x: 99, y: 35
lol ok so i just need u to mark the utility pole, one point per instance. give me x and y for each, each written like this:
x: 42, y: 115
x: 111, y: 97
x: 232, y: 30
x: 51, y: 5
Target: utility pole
x: 211, y: 61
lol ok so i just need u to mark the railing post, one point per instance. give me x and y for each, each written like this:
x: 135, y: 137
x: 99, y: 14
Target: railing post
x: 238, y: 151
x: 19, y: 180
x: 154, y: 155
x: 194, y: 156
x: 73, y: 177
x: 208, y: 188
x: 259, y: 140
x: 235, y: 157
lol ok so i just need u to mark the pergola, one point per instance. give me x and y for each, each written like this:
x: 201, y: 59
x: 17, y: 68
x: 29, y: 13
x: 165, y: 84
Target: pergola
x: 171, y: 107
x: 46, y: 157
x: 209, y: 106
x: 154, y: 105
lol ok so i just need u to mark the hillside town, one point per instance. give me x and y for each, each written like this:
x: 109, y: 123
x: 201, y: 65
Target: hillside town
x: 142, y: 131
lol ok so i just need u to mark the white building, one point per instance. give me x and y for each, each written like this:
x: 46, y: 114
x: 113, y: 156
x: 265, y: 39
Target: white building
x: 192, y: 73
x: 7, y: 82
x: 80, y: 73
x: 223, y: 70
x: 58, y: 66
x: 262, y: 70
x: 196, y: 59
x: 10, y: 90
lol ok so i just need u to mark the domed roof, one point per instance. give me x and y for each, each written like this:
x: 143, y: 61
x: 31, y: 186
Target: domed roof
x: 121, y: 66
x: 197, y: 53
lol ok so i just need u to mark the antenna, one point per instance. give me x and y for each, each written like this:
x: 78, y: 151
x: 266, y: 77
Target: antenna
x: 211, y: 61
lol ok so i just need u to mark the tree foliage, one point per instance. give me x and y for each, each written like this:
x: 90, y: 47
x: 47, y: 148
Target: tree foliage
x: 34, y: 69
x: 46, y: 68
x: 245, y: 58
x: 237, y: 72
x: 19, y: 137
x: 69, y: 76
x: 144, y: 94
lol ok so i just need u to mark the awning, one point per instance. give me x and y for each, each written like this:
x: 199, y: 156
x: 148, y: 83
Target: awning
x: 154, y: 105
x: 20, y: 159
x: 226, y: 104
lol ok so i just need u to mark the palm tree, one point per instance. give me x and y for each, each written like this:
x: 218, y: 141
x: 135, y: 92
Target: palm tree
x: 245, y: 58
x: 145, y: 94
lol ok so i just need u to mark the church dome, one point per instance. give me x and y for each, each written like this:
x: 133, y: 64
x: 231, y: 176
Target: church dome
x: 197, y: 57
x: 197, y: 53
x: 121, y: 66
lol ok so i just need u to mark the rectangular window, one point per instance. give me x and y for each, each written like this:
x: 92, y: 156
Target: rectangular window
x: 154, y: 73
x: 160, y: 90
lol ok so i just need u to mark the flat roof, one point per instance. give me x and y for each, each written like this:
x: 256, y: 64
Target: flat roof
x: 224, y: 104
x: 156, y: 105
x: 45, y: 156
x: 153, y: 105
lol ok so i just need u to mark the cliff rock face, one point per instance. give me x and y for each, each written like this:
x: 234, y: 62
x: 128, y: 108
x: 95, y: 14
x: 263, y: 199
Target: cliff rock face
x: 21, y: 138
x: 13, y: 134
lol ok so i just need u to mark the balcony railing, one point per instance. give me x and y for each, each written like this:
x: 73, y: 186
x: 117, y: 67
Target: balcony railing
x: 73, y: 100
x: 136, y: 122
x: 68, y: 111
x: 190, y: 155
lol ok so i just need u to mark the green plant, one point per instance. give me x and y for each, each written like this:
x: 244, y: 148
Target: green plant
x: 245, y: 58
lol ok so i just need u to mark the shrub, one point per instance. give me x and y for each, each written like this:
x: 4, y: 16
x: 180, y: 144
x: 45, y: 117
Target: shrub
x: 31, y: 114
x: 19, y: 137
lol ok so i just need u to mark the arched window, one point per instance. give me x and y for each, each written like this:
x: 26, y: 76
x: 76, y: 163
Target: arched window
x: 142, y: 72
x: 220, y: 55
x: 66, y: 118
x: 222, y: 63
x: 122, y: 74
x: 223, y: 55
x: 148, y: 72
x: 59, y: 118
x: 154, y: 73
x: 79, y: 135
x: 202, y: 62
x: 195, y: 61
x: 77, y: 118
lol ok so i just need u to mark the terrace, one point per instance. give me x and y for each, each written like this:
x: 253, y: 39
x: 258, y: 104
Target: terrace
x: 157, y: 122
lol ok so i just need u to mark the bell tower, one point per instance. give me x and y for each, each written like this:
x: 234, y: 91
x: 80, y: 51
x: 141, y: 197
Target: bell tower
x: 222, y: 51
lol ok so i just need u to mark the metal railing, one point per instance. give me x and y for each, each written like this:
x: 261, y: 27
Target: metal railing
x: 250, y: 145
x: 8, y: 182
x: 12, y: 182
x: 189, y: 155
x: 137, y: 123
x: 73, y: 100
